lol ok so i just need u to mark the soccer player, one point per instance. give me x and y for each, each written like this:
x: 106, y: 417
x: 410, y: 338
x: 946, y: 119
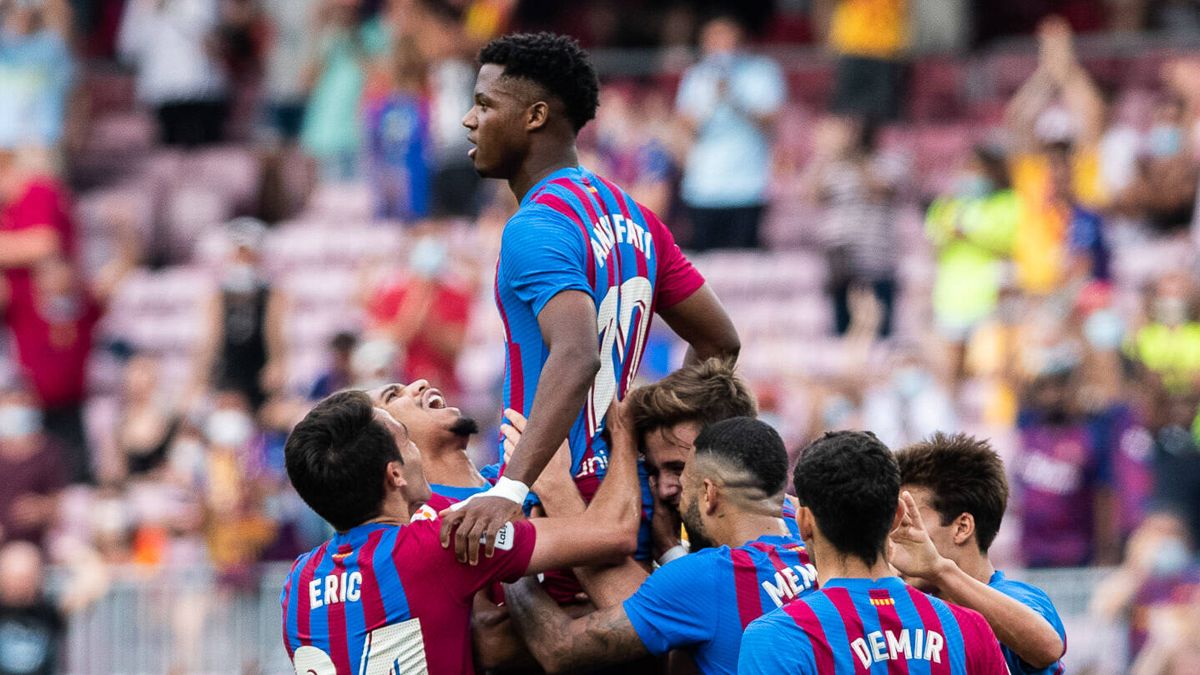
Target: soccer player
x: 955, y: 492
x: 442, y: 432
x: 383, y: 594
x: 701, y: 602
x: 863, y: 619
x: 582, y: 269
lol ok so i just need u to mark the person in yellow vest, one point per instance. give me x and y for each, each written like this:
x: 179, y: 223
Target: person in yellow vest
x: 1168, y: 345
x: 972, y: 232
x: 870, y: 38
x: 1059, y: 109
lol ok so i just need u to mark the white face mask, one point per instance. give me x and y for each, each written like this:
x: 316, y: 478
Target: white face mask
x: 240, y: 278
x: 18, y: 421
x: 229, y: 428
x: 1104, y: 330
x: 1170, y: 557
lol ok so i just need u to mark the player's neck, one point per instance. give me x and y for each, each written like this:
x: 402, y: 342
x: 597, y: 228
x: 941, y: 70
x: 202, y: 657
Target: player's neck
x: 745, y: 528
x: 833, y: 564
x: 977, y: 565
x: 451, y: 466
x: 539, y: 165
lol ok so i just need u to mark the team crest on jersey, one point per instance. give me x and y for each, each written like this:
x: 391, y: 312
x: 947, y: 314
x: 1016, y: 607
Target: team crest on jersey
x: 424, y: 513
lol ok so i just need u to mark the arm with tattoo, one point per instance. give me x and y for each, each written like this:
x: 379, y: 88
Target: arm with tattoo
x: 561, y: 644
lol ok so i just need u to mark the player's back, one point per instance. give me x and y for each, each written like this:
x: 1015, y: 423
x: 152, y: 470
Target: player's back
x: 704, y: 600
x: 387, y: 598
x: 866, y: 626
x: 576, y: 231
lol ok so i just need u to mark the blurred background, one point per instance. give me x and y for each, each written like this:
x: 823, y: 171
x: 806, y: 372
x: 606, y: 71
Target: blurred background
x: 921, y: 214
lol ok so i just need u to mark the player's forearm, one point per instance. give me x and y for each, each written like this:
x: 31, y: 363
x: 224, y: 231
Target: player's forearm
x: 612, y: 585
x: 561, y: 391
x: 1016, y: 626
x: 541, y: 622
x: 618, y: 500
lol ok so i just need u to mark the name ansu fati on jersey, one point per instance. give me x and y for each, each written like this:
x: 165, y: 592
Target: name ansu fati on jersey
x: 616, y: 229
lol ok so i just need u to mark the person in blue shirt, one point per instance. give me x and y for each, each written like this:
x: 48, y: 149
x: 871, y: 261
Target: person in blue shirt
x: 746, y: 565
x: 957, y: 485
x: 583, y: 269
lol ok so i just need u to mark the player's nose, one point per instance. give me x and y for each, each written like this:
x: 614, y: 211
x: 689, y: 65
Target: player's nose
x: 416, y: 387
x: 469, y: 120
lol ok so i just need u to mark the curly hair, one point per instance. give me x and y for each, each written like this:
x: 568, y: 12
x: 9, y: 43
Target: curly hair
x: 964, y: 475
x: 554, y: 62
x: 851, y: 482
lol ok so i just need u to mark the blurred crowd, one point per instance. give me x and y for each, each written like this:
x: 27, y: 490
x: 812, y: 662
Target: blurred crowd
x: 1036, y: 283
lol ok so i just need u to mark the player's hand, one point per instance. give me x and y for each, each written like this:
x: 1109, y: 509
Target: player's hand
x: 913, y: 552
x: 476, y: 524
x: 619, y: 422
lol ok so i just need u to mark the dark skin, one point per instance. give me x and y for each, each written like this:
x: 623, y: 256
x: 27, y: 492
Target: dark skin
x: 522, y: 134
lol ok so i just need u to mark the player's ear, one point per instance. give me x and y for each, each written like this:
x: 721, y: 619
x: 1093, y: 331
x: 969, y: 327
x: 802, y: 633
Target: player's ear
x: 901, y: 509
x: 804, y: 522
x: 395, y: 475
x: 964, y: 528
x: 712, y: 496
x: 537, y: 116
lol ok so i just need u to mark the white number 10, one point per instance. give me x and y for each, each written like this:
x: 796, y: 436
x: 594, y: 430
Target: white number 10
x: 613, y: 318
x: 398, y: 649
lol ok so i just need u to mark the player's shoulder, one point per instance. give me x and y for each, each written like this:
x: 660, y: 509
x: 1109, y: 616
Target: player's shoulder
x: 536, y: 220
x: 780, y: 621
x: 1027, y: 594
x: 302, y: 561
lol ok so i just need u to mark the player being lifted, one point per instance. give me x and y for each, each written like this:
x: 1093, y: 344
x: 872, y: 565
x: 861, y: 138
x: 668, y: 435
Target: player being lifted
x: 582, y: 269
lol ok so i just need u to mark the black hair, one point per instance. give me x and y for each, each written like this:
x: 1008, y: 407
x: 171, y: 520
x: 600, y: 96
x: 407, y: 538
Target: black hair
x: 337, y: 456
x: 554, y: 62
x: 963, y: 475
x: 850, y: 481
x: 750, y: 444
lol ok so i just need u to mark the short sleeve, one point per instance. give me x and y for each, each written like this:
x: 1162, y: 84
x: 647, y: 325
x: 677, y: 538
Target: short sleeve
x: 765, y: 651
x: 671, y: 608
x: 514, y: 549
x: 1035, y: 599
x: 542, y: 254
x: 677, y: 278
x: 761, y: 88
x: 983, y: 649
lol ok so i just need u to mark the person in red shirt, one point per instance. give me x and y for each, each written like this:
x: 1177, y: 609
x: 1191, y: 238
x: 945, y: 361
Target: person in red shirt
x: 426, y: 314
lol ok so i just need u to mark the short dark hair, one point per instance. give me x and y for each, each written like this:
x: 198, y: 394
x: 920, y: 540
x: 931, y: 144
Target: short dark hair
x: 749, y: 444
x: 337, y: 456
x: 554, y: 62
x: 850, y: 481
x: 705, y: 392
x: 964, y: 475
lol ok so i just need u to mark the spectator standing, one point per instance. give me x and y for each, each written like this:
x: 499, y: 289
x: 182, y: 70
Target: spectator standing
x: 858, y: 188
x: 425, y: 315
x: 346, y: 44
x: 729, y: 101
x: 972, y: 234
x: 245, y: 321
x: 288, y: 49
x: 36, y: 73
x: 869, y: 38
x: 338, y: 375
x: 170, y: 44
x: 397, y: 130
x: 32, y: 473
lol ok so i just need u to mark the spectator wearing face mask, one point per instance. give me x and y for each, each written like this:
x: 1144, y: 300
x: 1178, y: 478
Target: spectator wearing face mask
x: 972, y: 232
x: 237, y: 527
x: 1168, y: 345
x: 36, y: 73
x: 32, y: 471
x: 425, y: 314
x: 245, y: 343
x: 53, y: 315
x: 909, y: 406
x: 1163, y: 191
x: 1159, y: 572
x: 32, y: 627
x: 1058, y: 473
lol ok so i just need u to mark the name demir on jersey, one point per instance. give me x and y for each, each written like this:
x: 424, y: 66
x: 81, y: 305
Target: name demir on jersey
x: 616, y: 229
x: 907, y: 643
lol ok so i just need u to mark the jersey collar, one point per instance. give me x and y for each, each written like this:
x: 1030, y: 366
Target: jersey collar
x: 888, y: 583
x: 537, y: 187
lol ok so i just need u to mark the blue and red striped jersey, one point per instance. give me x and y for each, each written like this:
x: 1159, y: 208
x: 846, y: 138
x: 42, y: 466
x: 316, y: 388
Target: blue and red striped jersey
x: 576, y: 231
x: 703, y: 601
x: 389, y: 599
x: 856, y: 626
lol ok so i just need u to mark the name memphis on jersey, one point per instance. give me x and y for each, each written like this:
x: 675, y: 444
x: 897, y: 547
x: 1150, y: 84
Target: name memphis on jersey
x: 790, y: 582
x: 615, y: 229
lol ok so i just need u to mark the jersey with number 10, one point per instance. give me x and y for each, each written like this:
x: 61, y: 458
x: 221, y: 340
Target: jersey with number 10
x: 576, y: 231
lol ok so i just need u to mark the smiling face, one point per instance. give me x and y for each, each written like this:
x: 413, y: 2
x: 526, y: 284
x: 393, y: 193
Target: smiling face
x: 498, y: 123
x: 422, y: 409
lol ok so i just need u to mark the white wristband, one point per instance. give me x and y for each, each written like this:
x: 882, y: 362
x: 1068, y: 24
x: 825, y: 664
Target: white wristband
x: 512, y: 490
x: 676, y: 551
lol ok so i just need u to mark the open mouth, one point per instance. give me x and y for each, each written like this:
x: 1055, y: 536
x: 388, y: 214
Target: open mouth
x: 434, y: 400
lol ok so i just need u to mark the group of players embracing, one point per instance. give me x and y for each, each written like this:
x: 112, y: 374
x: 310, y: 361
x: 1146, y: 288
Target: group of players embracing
x: 643, y: 528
